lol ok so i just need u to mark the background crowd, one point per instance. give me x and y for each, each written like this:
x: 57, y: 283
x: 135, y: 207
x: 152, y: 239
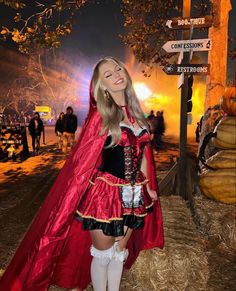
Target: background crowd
x: 65, y: 128
x: 157, y: 128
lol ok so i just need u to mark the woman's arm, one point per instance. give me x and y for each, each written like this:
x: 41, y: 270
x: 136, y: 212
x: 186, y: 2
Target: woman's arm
x: 144, y: 169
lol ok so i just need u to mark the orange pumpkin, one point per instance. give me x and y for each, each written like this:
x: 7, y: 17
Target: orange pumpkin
x: 228, y: 101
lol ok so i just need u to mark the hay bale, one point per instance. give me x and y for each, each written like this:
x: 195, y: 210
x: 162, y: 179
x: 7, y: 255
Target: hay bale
x: 182, y: 265
x: 217, y: 221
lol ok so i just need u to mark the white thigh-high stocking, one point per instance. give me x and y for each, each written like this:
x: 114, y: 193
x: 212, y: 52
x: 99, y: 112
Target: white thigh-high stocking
x: 99, y: 267
x: 115, y: 268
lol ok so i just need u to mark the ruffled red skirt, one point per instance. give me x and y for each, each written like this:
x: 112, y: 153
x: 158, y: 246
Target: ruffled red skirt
x: 111, y: 203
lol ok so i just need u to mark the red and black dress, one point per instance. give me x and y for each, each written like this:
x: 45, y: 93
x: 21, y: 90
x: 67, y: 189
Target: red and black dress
x: 117, y: 195
x: 55, y: 249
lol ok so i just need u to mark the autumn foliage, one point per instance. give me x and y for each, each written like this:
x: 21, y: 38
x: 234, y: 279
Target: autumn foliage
x: 146, y: 30
x: 45, y: 27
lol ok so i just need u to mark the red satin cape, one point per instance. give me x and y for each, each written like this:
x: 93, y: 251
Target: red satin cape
x: 55, y: 248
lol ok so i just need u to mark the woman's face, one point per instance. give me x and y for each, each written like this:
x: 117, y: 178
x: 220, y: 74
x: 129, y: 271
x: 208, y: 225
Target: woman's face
x: 113, y: 77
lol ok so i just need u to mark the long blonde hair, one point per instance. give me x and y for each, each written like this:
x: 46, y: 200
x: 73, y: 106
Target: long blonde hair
x: 111, y: 113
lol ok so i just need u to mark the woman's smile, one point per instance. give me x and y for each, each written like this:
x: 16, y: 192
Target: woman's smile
x: 119, y: 81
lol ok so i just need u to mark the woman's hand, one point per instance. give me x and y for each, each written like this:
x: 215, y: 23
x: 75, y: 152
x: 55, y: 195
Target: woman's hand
x: 152, y: 194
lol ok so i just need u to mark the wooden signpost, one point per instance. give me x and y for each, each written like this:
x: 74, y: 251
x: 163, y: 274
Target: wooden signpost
x: 187, y: 45
x: 180, y: 172
x: 187, y: 22
x: 191, y: 69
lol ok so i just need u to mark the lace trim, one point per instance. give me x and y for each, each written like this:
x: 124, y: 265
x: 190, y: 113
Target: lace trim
x: 119, y: 184
x: 120, y: 255
x: 150, y: 205
x: 112, y: 218
x: 109, y: 253
x: 135, y: 131
x: 128, y: 163
x: 98, y: 219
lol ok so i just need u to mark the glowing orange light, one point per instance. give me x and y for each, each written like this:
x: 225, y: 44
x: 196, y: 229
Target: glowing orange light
x: 142, y: 91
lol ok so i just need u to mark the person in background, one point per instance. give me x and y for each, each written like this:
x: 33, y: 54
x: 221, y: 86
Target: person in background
x: 69, y: 128
x: 197, y: 132
x: 59, y: 129
x: 151, y: 123
x: 159, y: 129
x: 35, y: 129
x: 151, y: 115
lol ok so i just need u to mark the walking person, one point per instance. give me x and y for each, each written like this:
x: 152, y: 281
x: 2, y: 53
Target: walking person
x: 69, y: 129
x: 35, y: 128
x: 197, y: 132
x: 104, y: 207
x: 59, y: 127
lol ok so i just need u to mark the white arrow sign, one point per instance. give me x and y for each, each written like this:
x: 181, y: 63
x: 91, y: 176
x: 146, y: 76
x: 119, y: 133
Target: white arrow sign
x: 188, y: 45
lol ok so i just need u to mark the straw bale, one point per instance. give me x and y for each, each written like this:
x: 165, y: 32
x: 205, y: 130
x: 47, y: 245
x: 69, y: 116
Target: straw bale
x: 181, y: 265
x: 217, y: 221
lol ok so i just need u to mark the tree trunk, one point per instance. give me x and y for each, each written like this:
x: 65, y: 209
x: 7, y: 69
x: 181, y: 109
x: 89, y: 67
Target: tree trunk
x: 218, y: 55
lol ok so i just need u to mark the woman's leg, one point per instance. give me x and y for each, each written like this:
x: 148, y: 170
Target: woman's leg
x: 65, y: 142
x: 108, y: 259
x: 115, y: 267
x: 102, y: 251
x: 124, y: 239
x: 33, y: 142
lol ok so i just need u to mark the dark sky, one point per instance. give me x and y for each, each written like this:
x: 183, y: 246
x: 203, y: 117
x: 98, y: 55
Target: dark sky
x: 96, y: 33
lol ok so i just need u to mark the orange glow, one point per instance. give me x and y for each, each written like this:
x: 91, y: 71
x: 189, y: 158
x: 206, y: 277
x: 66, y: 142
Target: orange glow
x: 142, y: 91
x: 166, y: 96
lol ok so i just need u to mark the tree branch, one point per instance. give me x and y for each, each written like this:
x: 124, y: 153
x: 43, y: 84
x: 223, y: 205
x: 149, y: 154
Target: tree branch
x: 44, y: 77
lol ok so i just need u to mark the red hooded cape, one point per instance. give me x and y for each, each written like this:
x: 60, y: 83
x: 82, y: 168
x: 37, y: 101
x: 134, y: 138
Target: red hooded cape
x: 55, y: 249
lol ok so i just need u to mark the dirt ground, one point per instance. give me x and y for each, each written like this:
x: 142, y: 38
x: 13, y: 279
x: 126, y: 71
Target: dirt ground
x: 24, y: 186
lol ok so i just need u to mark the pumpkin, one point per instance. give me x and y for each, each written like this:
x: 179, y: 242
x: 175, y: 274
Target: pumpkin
x: 228, y: 101
x: 225, y: 133
x: 220, y: 184
x: 223, y: 160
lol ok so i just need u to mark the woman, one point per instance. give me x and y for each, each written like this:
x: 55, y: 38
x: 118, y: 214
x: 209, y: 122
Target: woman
x: 101, y: 196
x: 59, y: 129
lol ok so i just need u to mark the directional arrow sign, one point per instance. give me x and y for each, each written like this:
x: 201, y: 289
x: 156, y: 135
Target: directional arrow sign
x: 187, y: 22
x: 188, y: 45
x: 199, y: 69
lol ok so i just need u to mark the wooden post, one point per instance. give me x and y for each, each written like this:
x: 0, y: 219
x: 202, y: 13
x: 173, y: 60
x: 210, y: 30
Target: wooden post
x: 183, y: 113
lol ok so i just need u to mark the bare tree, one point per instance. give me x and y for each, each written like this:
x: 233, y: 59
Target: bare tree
x: 58, y: 85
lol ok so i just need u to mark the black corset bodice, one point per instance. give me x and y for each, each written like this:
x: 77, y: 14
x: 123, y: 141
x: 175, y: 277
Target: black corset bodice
x: 124, y: 160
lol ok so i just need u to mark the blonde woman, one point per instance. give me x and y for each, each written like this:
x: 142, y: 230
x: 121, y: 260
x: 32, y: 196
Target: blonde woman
x: 104, y: 207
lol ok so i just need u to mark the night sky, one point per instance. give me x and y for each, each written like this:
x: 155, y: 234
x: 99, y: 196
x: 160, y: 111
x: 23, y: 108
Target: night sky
x: 96, y: 33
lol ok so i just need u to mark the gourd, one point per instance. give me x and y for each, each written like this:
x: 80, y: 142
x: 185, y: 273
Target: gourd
x: 223, y: 160
x: 228, y: 101
x: 225, y: 133
x: 219, y: 182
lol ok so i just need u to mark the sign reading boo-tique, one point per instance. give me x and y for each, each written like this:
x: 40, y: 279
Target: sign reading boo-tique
x: 187, y: 22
